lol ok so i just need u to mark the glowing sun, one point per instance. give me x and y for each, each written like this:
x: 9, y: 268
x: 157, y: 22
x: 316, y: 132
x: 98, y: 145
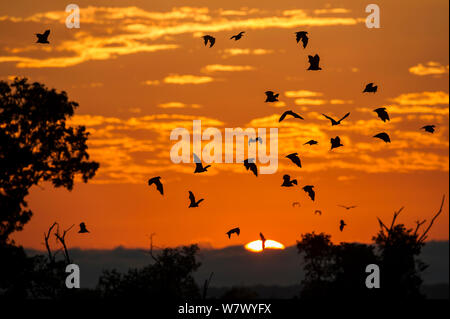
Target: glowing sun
x: 256, y: 246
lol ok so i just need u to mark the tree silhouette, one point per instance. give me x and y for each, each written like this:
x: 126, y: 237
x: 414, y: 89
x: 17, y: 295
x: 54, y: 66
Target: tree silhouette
x: 169, y: 277
x: 338, y: 271
x: 399, y: 247
x: 318, y: 255
x: 36, y: 145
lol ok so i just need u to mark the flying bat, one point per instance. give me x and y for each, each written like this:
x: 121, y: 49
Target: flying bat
x: 210, y: 39
x: 311, y: 142
x: 334, y: 122
x: 310, y: 191
x: 157, y: 181
x: 383, y: 136
x: 43, y: 37
x: 347, y: 207
x: 342, y: 225
x: 314, y: 63
x: 287, y: 182
x: 429, y: 128
x: 83, y: 228
x: 296, y: 204
x: 199, y: 166
x: 370, y: 88
x: 382, y: 114
x: 254, y: 140
x: 193, y: 203
x: 233, y: 231
x: 263, y: 239
x: 302, y: 35
x: 295, y: 115
x: 251, y: 166
x: 295, y: 159
x: 237, y: 36
x: 271, y: 96
x: 336, y: 142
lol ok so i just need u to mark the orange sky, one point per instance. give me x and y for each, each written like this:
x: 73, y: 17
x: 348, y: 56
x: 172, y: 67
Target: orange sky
x: 139, y: 69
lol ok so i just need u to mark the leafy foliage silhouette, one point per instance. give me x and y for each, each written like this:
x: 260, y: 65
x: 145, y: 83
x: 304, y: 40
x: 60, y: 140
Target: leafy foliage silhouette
x: 169, y: 277
x: 36, y: 145
x: 338, y: 271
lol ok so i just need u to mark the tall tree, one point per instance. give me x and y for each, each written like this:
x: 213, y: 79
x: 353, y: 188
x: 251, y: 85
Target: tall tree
x: 36, y: 145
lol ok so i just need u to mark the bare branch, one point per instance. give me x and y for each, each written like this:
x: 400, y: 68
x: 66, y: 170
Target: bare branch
x: 419, y: 223
x: 424, y: 235
x: 382, y: 225
x: 151, y: 248
x: 62, y: 240
x: 51, y: 257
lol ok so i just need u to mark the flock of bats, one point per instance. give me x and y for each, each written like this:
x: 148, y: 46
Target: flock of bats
x: 272, y: 97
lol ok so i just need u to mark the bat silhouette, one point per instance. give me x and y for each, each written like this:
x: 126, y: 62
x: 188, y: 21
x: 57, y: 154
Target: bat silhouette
x: 311, y: 142
x: 287, y: 182
x: 237, y: 36
x: 336, y: 142
x: 295, y: 159
x: 207, y: 38
x: 347, y: 207
x: 318, y: 212
x: 334, y: 122
x: 295, y: 115
x: 263, y: 239
x: 302, y: 35
x: 429, y: 128
x: 43, y: 37
x: 310, y: 191
x: 251, y: 166
x: 370, y: 88
x: 157, y: 181
x: 383, y: 136
x: 296, y: 204
x: 199, y: 166
x: 194, y: 203
x: 382, y: 114
x: 233, y: 231
x: 342, y: 225
x: 83, y: 228
x: 314, y: 63
x: 271, y: 96
x: 254, y: 140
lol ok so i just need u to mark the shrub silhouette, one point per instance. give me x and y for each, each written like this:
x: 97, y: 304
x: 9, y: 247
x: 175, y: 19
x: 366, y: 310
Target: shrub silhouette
x: 170, y: 277
x: 338, y: 271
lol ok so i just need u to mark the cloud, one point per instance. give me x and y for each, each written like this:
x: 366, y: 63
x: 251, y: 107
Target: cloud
x: 238, y: 51
x: 87, y: 49
x: 151, y: 82
x: 361, y: 152
x: 226, y: 68
x: 131, y: 149
x: 129, y: 29
x: 429, y: 68
x: 178, y: 105
x: 309, y: 102
x: 422, y: 98
x: 302, y: 93
x: 187, y: 79
x: 332, y: 11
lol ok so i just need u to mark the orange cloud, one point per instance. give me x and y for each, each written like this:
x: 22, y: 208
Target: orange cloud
x: 187, y: 79
x: 429, y: 68
x: 226, y: 68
